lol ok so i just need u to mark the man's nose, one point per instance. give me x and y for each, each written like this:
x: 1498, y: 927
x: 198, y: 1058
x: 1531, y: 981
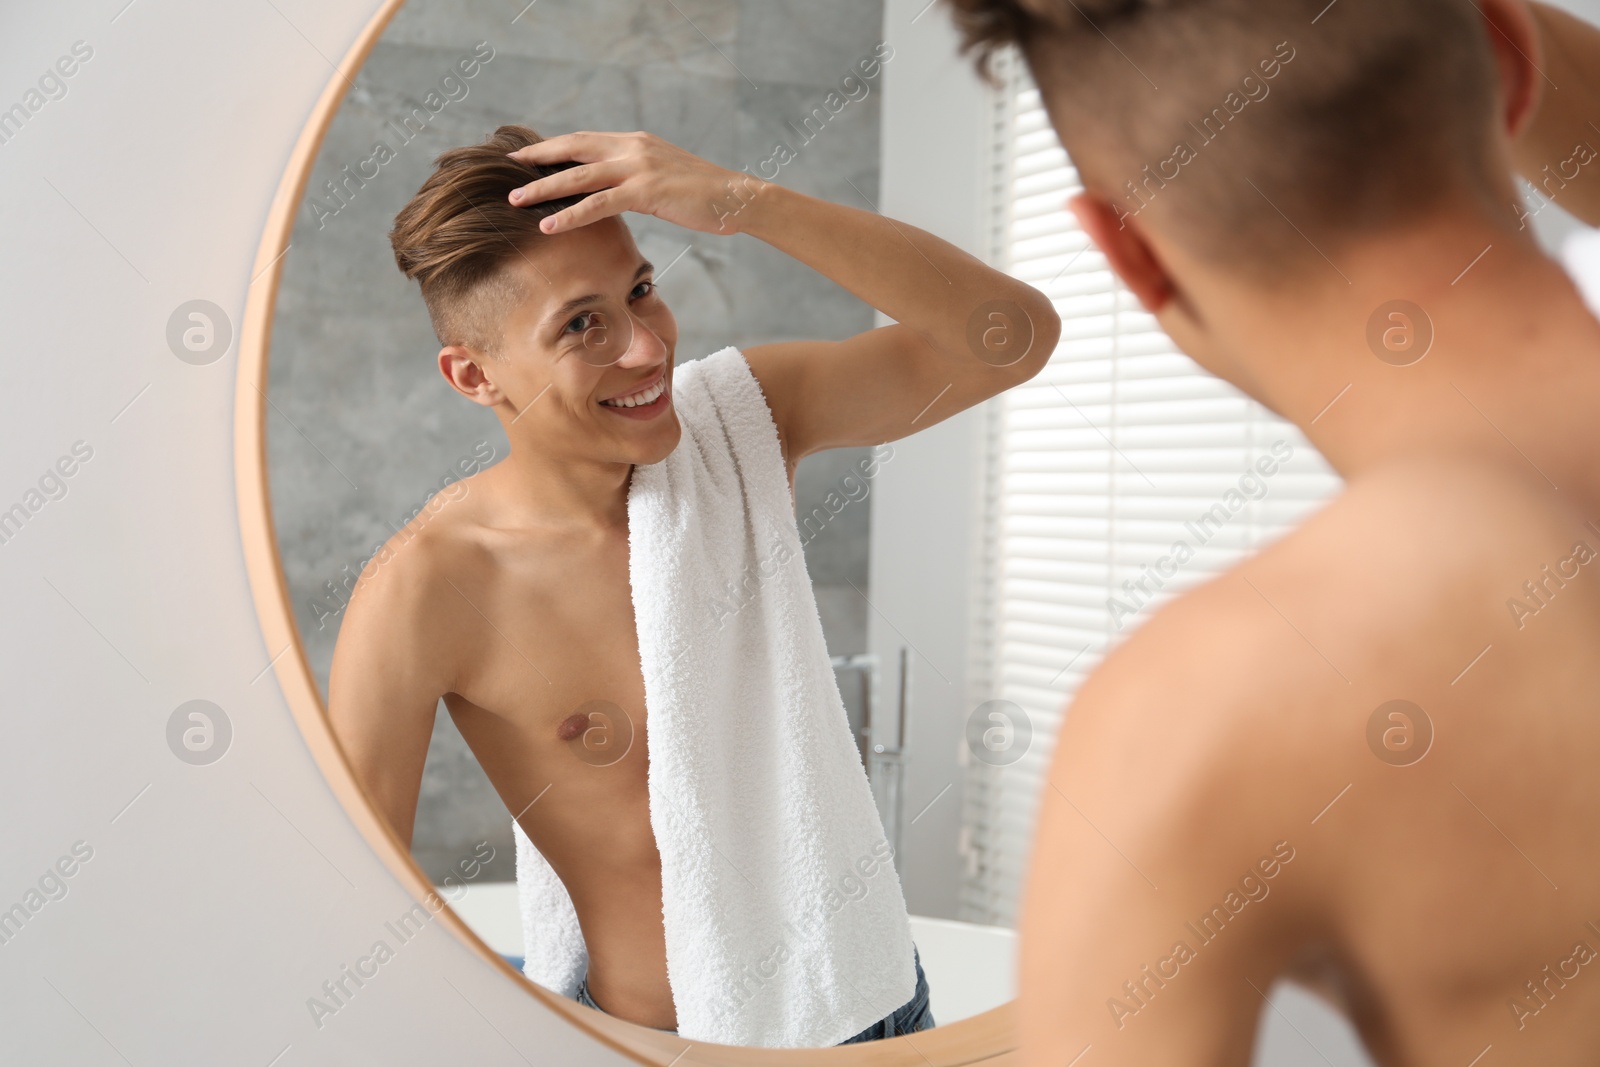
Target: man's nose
x: 644, y: 346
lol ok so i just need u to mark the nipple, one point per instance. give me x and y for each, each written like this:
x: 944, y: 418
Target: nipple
x: 572, y: 726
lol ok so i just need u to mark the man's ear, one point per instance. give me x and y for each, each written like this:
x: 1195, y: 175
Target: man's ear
x: 463, y: 369
x: 1125, y: 249
x: 1519, y: 56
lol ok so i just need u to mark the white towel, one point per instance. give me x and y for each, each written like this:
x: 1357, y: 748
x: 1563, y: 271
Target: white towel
x: 784, y: 918
x: 1580, y: 255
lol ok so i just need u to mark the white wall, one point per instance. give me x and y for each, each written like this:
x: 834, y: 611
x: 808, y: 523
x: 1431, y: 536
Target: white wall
x: 925, y: 511
x: 217, y: 898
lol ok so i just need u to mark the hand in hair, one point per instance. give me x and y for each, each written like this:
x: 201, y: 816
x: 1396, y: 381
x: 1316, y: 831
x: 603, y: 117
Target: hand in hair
x: 634, y: 172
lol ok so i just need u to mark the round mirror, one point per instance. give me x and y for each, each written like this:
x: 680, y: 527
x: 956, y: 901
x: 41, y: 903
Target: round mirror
x: 518, y: 797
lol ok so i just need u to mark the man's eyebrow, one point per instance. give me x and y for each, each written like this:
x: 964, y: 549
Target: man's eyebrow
x: 583, y: 301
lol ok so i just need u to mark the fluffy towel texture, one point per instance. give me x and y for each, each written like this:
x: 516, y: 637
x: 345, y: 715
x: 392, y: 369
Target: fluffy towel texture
x: 553, y: 952
x: 784, y: 918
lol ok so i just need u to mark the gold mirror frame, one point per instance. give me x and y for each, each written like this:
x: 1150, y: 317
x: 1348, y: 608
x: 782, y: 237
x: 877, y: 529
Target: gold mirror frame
x: 988, y: 1038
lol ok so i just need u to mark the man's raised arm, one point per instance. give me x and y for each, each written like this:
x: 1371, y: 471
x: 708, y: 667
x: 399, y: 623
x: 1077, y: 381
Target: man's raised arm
x: 964, y: 332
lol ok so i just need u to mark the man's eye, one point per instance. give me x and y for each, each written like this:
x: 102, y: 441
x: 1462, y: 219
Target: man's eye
x: 580, y: 323
x: 648, y: 287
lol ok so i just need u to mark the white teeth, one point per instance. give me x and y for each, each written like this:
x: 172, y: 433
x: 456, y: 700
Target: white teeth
x: 649, y: 396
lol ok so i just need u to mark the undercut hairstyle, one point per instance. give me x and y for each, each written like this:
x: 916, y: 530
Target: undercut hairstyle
x: 459, y: 235
x: 1346, y: 118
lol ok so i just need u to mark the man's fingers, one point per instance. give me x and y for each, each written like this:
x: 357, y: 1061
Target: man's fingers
x: 592, y: 209
x: 589, y: 178
x: 582, y: 147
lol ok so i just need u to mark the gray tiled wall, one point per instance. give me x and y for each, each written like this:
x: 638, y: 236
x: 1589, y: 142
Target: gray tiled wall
x: 361, y: 427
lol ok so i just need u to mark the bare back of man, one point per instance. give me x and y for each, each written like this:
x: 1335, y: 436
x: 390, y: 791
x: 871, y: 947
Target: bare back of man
x: 1365, y: 757
x: 1448, y: 898
x: 1342, y: 762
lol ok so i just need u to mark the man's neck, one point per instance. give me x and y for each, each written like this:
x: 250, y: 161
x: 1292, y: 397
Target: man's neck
x: 1512, y: 373
x: 539, y: 489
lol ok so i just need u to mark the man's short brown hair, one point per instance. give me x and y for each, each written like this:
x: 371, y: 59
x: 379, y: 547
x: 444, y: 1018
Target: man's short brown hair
x: 458, y: 234
x: 1385, y: 107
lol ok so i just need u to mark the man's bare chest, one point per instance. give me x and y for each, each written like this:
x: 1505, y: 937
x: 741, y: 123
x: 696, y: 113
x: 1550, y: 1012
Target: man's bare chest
x: 551, y: 639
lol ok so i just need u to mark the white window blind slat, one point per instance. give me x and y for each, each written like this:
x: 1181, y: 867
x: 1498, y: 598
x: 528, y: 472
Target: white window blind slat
x: 1095, y: 469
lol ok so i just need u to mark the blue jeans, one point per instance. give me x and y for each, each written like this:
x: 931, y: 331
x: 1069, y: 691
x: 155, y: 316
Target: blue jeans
x: 910, y: 1017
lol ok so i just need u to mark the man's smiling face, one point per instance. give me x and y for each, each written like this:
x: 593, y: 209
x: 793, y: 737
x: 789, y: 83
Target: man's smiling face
x: 591, y: 341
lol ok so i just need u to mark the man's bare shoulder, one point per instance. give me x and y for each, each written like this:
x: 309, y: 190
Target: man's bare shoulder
x: 410, y: 596
x: 1248, y: 701
x: 1380, y: 702
x: 411, y: 572
x: 1421, y: 557
x: 460, y: 564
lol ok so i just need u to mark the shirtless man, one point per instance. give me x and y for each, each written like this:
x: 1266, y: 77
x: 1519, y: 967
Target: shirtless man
x: 513, y: 604
x: 1234, y: 798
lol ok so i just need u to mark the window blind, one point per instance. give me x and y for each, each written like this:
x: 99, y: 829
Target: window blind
x: 1096, y: 470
